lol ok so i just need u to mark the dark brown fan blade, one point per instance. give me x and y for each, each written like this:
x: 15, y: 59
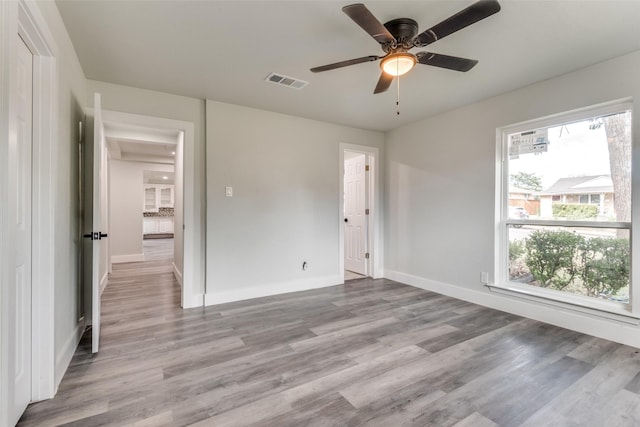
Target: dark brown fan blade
x: 384, y: 82
x: 460, y: 20
x: 363, y: 17
x: 345, y: 63
x: 446, y: 61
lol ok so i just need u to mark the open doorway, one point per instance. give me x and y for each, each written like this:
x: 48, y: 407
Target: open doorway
x: 158, y: 223
x: 355, y: 215
x: 135, y: 144
x: 125, y: 146
x: 142, y: 170
x: 358, y: 212
x: 162, y: 134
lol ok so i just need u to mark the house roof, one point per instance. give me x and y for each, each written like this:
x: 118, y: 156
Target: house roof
x: 580, y: 185
x: 519, y: 190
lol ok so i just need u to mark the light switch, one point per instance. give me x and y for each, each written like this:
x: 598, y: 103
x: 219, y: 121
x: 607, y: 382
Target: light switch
x: 229, y: 191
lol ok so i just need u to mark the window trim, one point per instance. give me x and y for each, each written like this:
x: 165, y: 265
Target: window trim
x: 563, y: 223
x: 610, y: 309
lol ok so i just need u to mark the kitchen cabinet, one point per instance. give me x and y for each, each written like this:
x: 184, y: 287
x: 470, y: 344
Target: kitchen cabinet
x: 157, y: 225
x: 157, y: 196
x: 165, y: 197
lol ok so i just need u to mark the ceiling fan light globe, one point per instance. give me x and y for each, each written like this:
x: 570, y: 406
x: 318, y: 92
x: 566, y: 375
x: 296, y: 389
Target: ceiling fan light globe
x: 398, y: 64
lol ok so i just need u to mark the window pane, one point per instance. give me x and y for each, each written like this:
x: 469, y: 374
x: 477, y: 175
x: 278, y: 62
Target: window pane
x: 560, y: 172
x: 593, y: 262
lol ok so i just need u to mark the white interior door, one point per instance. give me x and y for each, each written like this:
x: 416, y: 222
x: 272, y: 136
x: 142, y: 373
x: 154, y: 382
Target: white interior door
x: 355, y: 226
x: 96, y: 234
x: 21, y: 161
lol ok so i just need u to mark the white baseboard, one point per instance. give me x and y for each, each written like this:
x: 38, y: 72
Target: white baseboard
x: 116, y: 259
x: 585, y: 323
x: 213, y: 297
x: 63, y: 358
x: 103, y: 282
x: 192, y: 301
x: 177, y: 273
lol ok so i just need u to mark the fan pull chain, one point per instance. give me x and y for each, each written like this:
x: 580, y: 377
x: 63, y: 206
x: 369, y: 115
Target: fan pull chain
x: 398, y: 90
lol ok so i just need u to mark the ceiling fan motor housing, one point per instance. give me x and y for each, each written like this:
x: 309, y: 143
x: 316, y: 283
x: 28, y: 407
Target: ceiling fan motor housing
x: 403, y: 30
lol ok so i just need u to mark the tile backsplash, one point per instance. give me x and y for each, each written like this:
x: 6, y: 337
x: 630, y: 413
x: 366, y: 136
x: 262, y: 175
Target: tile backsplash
x: 161, y: 212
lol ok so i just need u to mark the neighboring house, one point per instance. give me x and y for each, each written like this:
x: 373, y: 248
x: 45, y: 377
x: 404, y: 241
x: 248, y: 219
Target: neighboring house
x: 523, y: 198
x: 591, y: 190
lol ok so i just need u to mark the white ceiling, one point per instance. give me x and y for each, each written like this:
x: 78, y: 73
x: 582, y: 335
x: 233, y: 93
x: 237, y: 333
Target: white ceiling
x: 158, y: 177
x: 140, y: 144
x: 223, y: 50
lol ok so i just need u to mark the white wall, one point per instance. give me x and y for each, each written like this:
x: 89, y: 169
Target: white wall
x: 284, y: 172
x: 440, y: 186
x: 126, y: 206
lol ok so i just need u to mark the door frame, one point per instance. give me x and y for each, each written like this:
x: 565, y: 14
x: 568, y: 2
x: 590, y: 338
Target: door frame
x: 23, y: 19
x: 192, y: 295
x: 374, y: 228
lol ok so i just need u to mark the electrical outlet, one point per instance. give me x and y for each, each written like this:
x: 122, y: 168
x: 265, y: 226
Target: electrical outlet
x: 484, y: 277
x: 228, y: 191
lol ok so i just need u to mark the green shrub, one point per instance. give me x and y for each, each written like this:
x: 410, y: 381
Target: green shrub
x: 574, y: 211
x: 516, y: 249
x: 596, y: 266
x: 551, y: 257
x: 605, y: 265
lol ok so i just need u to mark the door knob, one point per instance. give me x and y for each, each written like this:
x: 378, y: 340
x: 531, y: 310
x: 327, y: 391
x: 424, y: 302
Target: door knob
x: 346, y: 220
x: 95, y: 235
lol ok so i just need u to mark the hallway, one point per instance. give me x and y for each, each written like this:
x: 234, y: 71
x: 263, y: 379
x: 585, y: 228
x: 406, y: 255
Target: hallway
x: 140, y: 308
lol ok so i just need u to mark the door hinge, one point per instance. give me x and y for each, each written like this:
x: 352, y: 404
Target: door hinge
x: 366, y: 211
x: 366, y: 168
x: 366, y: 255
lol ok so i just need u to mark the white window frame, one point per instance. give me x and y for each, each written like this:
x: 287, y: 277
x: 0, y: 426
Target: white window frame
x: 627, y: 312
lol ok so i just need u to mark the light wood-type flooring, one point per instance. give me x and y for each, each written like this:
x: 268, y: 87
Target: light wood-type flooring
x: 158, y: 249
x: 371, y: 352
x: 350, y: 275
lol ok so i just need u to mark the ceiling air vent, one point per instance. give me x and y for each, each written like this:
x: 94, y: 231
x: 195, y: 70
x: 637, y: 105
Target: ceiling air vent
x: 281, y: 80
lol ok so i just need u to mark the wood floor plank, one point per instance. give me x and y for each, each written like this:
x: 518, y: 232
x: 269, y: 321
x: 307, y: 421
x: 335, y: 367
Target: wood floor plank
x: 475, y: 420
x: 594, y: 392
x: 367, y: 353
x: 623, y: 411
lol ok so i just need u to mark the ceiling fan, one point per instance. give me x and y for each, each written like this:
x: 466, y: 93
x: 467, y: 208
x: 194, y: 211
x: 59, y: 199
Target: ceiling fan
x: 398, y: 36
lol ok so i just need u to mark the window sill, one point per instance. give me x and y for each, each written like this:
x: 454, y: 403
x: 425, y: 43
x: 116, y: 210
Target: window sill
x: 606, y: 309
